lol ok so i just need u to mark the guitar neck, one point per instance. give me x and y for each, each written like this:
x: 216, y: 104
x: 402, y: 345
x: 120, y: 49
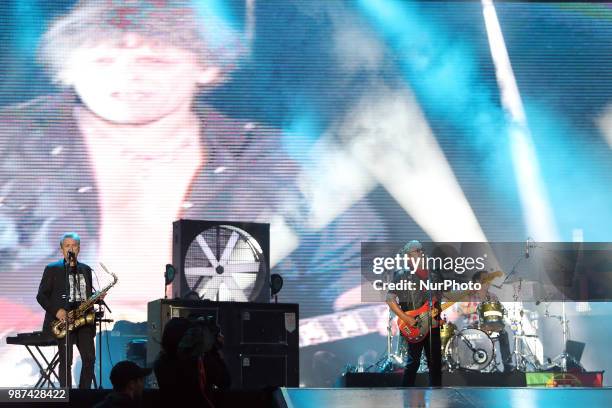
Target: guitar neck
x: 486, y: 280
x: 446, y: 305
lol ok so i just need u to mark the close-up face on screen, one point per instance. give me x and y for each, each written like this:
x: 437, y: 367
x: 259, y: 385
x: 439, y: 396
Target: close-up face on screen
x: 192, y: 150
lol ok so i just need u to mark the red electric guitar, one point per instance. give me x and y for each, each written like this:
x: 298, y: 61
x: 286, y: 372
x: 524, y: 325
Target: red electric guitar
x: 416, y: 333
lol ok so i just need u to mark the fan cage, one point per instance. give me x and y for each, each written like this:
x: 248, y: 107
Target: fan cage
x: 225, y: 263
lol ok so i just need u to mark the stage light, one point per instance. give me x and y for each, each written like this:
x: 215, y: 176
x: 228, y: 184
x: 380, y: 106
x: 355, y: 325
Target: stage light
x: 276, y: 284
x: 168, y: 277
x: 169, y: 274
x: 537, y: 212
x: 389, y: 124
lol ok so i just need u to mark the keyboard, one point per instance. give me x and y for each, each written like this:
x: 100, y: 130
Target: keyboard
x: 36, y: 338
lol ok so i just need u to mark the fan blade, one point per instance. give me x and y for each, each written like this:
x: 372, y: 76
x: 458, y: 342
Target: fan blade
x: 235, y: 291
x: 200, y: 271
x: 207, y: 251
x: 211, y: 288
x: 243, y: 267
x: 229, y: 247
x: 244, y: 280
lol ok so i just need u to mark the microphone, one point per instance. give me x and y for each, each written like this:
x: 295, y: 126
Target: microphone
x: 527, y: 248
x: 71, y: 255
x: 544, y: 299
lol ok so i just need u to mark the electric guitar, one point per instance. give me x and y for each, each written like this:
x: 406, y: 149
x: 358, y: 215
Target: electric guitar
x: 416, y: 333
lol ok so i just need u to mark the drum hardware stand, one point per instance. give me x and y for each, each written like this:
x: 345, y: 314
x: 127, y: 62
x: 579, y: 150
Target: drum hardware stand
x: 521, y: 357
x: 563, y: 358
x: 494, y: 364
x: 423, y: 366
x: 389, y: 360
x: 516, y: 264
x: 385, y: 364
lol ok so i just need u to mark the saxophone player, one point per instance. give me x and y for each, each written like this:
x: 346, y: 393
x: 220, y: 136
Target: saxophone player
x: 64, y: 285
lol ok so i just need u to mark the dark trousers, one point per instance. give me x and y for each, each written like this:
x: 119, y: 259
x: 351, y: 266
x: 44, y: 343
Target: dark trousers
x: 504, y: 349
x: 434, y: 360
x: 84, y: 340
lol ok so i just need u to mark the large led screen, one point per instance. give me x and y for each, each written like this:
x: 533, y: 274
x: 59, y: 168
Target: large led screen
x: 336, y: 122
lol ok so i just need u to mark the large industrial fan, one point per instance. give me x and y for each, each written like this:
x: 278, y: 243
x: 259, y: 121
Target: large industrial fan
x: 221, y: 261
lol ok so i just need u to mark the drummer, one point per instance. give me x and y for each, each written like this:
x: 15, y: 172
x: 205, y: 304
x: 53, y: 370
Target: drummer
x: 468, y: 312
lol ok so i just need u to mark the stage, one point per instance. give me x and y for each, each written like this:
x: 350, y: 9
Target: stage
x: 455, y: 397
x: 442, y: 397
x: 476, y: 379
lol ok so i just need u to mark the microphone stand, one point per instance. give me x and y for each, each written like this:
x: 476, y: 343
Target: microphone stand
x: 99, y: 320
x: 518, y: 261
x: 386, y: 363
x: 512, y: 271
x: 67, y: 345
x: 431, y: 318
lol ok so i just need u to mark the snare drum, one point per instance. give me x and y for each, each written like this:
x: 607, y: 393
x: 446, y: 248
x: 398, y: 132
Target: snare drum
x: 491, y: 316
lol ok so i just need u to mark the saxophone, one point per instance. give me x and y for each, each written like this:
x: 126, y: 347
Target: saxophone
x: 82, y: 315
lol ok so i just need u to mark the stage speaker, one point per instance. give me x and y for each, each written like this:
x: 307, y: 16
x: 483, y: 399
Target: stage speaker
x: 162, y: 310
x: 261, y: 347
x: 221, y: 261
x: 259, y: 371
x: 575, y: 349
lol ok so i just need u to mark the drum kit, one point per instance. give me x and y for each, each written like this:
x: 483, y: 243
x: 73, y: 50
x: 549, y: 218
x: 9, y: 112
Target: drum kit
x: 472, y: 348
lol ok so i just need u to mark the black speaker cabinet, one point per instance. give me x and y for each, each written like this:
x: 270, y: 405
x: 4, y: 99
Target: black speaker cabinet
x: 221, y: 261
x: 261, y: 339
x: 162, y: 310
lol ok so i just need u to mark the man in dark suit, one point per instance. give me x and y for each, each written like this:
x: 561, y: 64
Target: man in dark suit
x: 64, y: 285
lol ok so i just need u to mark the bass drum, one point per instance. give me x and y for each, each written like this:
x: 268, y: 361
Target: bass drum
x: 470, y: 349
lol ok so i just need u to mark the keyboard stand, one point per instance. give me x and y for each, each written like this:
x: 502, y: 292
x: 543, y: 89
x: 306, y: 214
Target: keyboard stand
x: 47, y: 371
x: 47, y: 368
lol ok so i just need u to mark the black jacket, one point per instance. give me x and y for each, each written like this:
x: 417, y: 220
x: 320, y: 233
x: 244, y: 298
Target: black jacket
x: 52, y: 289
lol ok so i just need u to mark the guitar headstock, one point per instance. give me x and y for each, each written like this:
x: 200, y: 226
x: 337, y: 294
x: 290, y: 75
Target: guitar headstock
x: 491, y: 276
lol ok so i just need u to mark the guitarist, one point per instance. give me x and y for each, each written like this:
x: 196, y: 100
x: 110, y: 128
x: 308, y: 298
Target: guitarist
x: 401, y: 302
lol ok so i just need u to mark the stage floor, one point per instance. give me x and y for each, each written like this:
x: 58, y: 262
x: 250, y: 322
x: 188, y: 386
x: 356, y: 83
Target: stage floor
x: 468, y: 397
